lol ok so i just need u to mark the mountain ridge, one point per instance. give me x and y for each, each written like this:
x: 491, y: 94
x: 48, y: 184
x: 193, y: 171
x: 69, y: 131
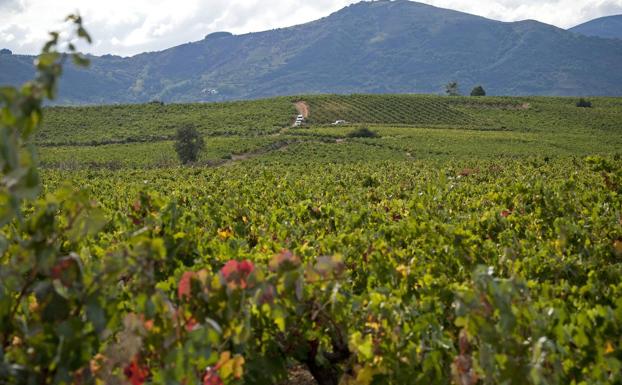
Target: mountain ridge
x: 608, y: 27
x: 368, y: 47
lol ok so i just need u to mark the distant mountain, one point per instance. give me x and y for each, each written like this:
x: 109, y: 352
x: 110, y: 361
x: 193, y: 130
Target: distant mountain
x: 370, y: 47
x: 609, y: 27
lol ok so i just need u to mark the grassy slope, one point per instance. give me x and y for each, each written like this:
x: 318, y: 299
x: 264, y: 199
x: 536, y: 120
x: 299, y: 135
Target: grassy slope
x: 410, y: 126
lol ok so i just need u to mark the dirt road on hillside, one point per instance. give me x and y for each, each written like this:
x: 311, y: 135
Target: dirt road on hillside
x: 303, y: 109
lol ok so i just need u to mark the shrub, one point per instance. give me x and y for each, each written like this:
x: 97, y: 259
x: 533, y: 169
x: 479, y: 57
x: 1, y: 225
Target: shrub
x: 363, y: 132
x: 583, y: 103
x: 478, y: 91
x: 188, y: 144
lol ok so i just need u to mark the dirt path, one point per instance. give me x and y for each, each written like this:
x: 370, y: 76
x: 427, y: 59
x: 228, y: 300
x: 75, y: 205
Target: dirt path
x: 303, y: 108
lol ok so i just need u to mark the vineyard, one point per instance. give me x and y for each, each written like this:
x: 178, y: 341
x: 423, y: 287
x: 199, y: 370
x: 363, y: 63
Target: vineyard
x: 154, y: 122
x: 490, y: 113
x: 150, y: 154
x: 513, y: 267
x: 393, y: 109
x: 95, y: 125
x: 140, y: 136
x: 466, y: 242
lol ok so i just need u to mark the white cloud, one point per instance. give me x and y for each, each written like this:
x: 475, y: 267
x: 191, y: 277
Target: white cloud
x: 562, y: 13
x: 7, y: 37
x: 128, y: 27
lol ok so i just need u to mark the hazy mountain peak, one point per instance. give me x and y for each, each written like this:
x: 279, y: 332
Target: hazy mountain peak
x: 606, y: 27
x: 368, y: 47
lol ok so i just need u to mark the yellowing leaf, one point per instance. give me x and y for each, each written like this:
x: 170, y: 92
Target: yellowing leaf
x: 403, y: 270
x: 365, y: 376
x: 361, y: 376
x: 238, y: 367
x: 363, y: 345
x: 225, y: 234
x: 278, y: 316
x: 230, y: 366
x: 373, y: 325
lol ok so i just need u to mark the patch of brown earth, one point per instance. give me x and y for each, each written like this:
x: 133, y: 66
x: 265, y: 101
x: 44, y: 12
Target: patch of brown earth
x: 302, y: 108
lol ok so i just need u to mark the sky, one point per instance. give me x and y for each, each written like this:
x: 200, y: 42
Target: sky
x: 128, y: 27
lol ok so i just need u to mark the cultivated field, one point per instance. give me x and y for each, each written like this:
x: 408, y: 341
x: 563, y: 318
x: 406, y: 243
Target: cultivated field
x: 410, y: 127
x: 474, y: 240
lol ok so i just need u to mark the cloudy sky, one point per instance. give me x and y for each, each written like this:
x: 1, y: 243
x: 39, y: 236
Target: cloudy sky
x: 127, y: 27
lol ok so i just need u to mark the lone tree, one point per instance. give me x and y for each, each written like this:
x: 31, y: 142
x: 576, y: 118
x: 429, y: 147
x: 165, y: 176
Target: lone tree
x: 478, y: 91
x: 188, y: 144
x: 452, y: 89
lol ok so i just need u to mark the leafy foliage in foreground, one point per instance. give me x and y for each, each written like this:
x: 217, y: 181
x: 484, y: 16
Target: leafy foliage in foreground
x: 405, y: 292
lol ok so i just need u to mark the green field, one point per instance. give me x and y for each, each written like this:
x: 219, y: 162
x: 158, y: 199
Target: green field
x: 156, y: 122
x: 475, y: 240
x: 412, y: 127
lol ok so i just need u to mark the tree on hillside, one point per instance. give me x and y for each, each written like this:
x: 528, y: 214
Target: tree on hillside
x: 478, y: 91
x: 188, y: 144
x: 452, y: 88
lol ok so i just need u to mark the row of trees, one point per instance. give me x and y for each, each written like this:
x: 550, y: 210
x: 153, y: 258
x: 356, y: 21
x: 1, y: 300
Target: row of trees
x: 453, y: 89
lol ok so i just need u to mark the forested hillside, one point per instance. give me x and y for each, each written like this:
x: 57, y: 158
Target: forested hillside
x: 369, y: 47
